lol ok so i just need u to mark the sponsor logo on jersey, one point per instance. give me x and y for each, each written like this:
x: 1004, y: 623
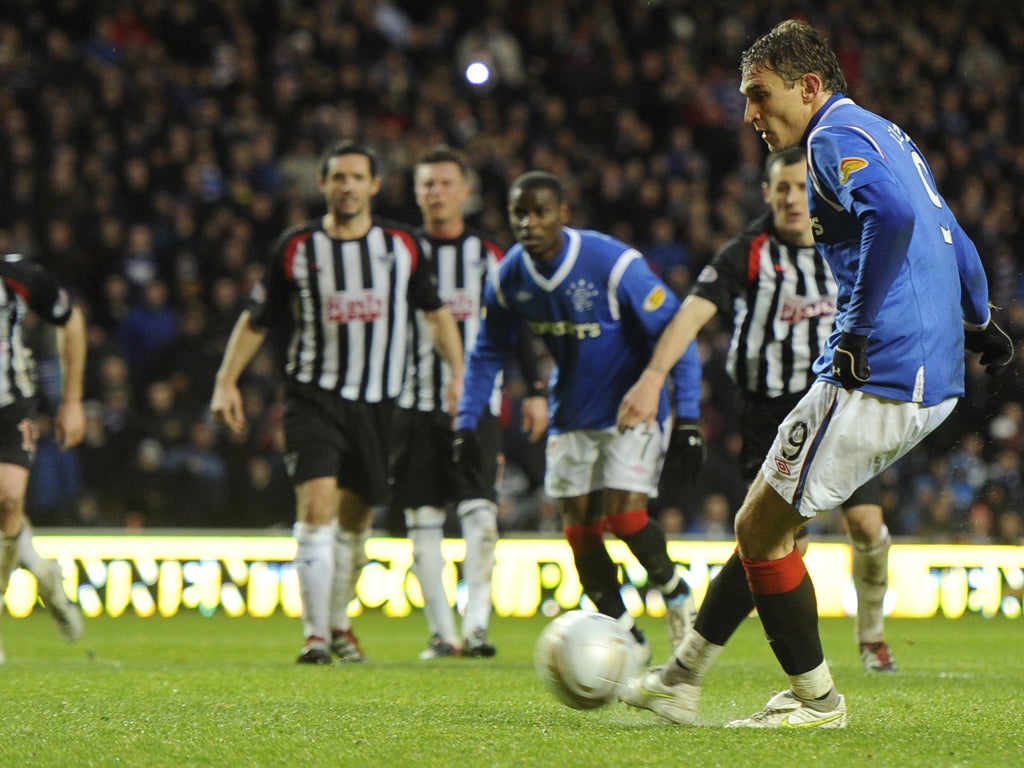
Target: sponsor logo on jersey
x: 565, y: 328
x: 523, y: 296
x: 351, y: 306
x: 462, y: 305
x: 783, y: 467
x: 654, y: 299
x: 848, y: 166
x: 707, y: 275
x: 795, y: 309
x: 581, y: 293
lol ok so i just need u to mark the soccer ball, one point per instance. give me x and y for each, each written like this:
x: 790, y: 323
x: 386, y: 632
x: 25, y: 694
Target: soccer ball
x: 584, y: 658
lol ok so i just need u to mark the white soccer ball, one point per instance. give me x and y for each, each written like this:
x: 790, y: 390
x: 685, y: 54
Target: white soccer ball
x: 584, y: 658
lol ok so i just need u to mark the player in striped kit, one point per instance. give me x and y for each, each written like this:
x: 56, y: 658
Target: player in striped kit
x: 599, y: 310
x: 424, y: 479
x: 344, y: 287
x: 913, y: 296
x: 26, y: 287
x: 781, y: 296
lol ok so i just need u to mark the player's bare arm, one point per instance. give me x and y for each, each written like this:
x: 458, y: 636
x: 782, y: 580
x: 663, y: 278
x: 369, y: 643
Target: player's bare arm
x: 226, y: 403
x: 448, y: 343
x: 640, y: 403
x: 70, y: 422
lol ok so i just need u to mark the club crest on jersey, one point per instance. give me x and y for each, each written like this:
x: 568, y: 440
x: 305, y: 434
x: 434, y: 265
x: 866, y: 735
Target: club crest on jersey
x: 707, y: 275
x: 654, y: 299
x: 581, y: 293
x: 850, y: 165
x: 351, y: 306
x: 386, y: 259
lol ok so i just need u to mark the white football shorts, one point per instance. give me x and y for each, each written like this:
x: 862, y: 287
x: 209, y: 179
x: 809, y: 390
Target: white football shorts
x: 586, y: 460
x: 835, y: 440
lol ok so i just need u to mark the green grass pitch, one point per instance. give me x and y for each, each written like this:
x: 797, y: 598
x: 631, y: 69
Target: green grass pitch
x: 194, y: 691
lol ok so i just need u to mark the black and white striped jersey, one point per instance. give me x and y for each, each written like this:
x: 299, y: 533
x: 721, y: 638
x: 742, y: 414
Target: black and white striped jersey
x: 347, y: 305
x: 24, y: 287
x: 782, y: 300
x: 460, y: 268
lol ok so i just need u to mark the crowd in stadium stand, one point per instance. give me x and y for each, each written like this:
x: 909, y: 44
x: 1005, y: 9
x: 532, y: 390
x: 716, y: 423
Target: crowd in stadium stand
x: 152, y: 149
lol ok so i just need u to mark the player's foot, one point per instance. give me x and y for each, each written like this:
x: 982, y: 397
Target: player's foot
x: 681, y: 613
x: 784, y: 710
x: 477, y: 645
x: 675, y: 703
x: 345, y: 646
x: 314, y: 652
x: 438, y: 648
x: 877, y: 657
x: 67, y: 614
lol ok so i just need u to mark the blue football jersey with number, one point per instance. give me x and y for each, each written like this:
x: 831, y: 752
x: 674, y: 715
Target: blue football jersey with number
x: 910, y: 299
x: 599, y: 309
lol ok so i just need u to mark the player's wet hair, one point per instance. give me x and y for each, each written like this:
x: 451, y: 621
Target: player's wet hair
x: 791, y: 49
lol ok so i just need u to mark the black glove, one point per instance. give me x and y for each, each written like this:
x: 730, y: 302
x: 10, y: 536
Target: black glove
x: 466, y: 452
x: 850, y: 361
x: 686, y: 453
x: 994, y: 344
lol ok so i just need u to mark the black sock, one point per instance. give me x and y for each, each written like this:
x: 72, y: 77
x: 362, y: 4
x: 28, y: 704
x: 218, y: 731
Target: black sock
x: 650, y: 548
x: 599, y: 577
x: 728, y: 602
x: 790, y: 621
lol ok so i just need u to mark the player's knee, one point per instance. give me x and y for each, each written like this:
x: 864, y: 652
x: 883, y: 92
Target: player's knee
x: 865, y: 524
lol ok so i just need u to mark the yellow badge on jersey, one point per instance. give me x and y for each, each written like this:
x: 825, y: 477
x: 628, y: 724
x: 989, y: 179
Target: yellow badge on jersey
x: 654, y: 299
x: 849, y: 165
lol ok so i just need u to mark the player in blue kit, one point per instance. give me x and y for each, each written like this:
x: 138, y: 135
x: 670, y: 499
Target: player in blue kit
x: 912, y: 295
x: 599, y: 310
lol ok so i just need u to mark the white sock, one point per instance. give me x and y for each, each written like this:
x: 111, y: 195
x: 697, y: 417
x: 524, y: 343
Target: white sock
x: 349, y: 559
x: 871, y: 580
x: 314, y: 563
x: 479, y: 518
x: 426, y: 529
x: 30, y: 560
x: 695, y: 654
x: 813, y: 684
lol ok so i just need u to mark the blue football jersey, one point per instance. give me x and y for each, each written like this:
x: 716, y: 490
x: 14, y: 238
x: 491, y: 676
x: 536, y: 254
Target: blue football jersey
x: 911, y: 293
x: 599, y: 309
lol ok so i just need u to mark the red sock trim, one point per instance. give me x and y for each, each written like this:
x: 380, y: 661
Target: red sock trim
x: 773, y: 577
x: 627, y: 523
x: 584, y: 538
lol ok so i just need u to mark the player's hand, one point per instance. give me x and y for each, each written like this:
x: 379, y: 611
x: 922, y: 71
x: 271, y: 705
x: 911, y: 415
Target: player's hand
x: 850, y: 361
x: 466, y: 452
x: 69, y: 426
x: 994, y: 344
x: 686, y: 453
x: 535, y: 417
x: 226, y: 406
x: 640, y: 403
